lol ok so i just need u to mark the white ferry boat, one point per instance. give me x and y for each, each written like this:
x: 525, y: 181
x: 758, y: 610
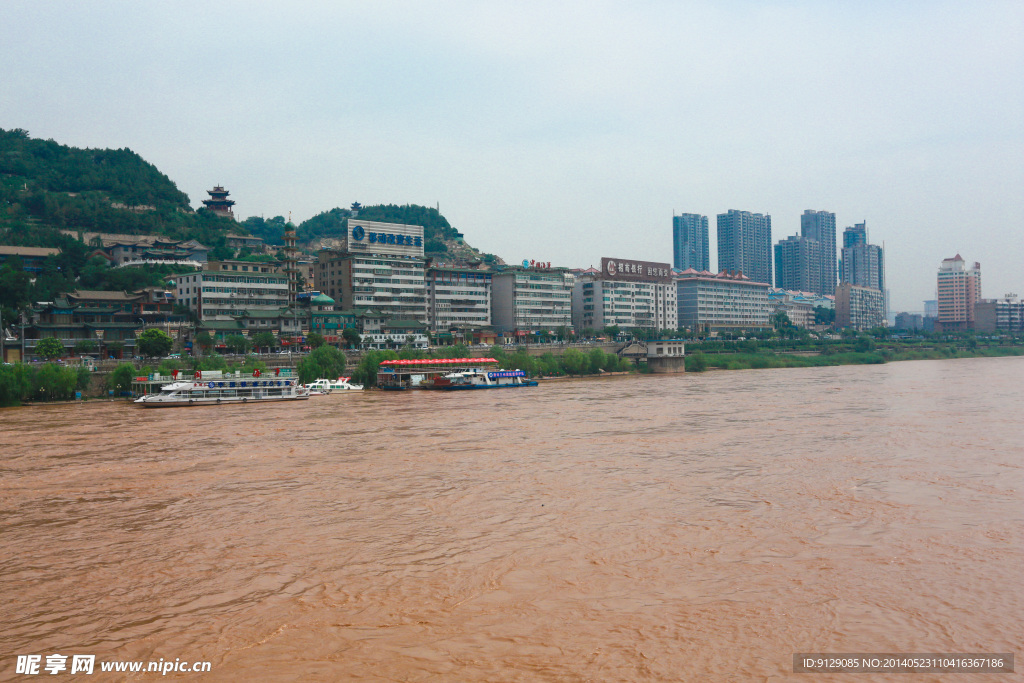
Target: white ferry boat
x: 327, y: 386
x: 225, y: 390
x: 479, y: 378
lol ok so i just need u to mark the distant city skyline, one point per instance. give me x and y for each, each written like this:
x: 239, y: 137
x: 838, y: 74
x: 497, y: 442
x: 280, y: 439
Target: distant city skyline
x: 559, y: 131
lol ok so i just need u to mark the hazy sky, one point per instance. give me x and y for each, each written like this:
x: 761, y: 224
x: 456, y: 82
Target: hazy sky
x: 561, y: 131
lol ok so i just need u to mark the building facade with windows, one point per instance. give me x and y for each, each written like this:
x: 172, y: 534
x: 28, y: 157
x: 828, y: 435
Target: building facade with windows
x: 999, y: 315
x: 862, y: 264
x: 959, y: 288
x: 798, y: 264
x: 859, y: 308
x: 458, y: 298
x: 745, y: 244
x: 726, y: 302
x: 379, y: 266
x: 820, y: 226
x: 228, y: 288
x: 626, y: 294
x: 690, y: 242
x: 529, y: 300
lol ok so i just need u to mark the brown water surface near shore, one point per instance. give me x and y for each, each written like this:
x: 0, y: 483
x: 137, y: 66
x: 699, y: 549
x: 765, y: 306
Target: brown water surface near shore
x: 694, y: 527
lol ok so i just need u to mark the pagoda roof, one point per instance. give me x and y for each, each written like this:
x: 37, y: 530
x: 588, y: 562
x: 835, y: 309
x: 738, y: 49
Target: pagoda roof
x: 101, y: 295
x: 28, y: 251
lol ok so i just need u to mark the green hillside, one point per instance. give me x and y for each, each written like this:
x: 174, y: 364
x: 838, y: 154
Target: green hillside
x: 46, y: 187
x: 439, y: 237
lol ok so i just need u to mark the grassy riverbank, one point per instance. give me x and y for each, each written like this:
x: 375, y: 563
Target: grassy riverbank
x: 699, y: 361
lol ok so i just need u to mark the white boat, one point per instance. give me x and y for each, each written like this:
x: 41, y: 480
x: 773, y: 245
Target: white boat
x: 327, y: 386
x: 219, y: 390
x: 480, y: 378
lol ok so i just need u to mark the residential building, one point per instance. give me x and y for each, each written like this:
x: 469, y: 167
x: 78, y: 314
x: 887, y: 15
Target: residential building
x: 378, y: 266
x: 798, y: 306
x: 32, y: 258
x: 959, y: 288
x: 909, y: 321
x: 529, y: 300
x: 458, y: 298
x: 123, y: 249
x: 862, y: 264
x: 726, y: 302
x: 999, y: 315
x: 860, y: 308
x: 154, y: 303
x: 227, y: 288
x: 798, y: 264
x: 690, y: 242
x: 255, y: 245
x: 820, y: 226
x: 626, y: 294
x: 104, y: 317
x: 396, y: 334
x: 745, y: 244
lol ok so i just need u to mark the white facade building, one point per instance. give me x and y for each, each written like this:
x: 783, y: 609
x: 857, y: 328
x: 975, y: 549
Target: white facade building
x: 379, y: 266
x: 458, y: 297
x: 227, y: 288
x: 627, y: 294
x: 726, y: 302
x: 528, y: 300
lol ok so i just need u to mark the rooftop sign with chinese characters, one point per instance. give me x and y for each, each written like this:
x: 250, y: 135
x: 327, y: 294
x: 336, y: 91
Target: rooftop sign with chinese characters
x: 536, y: 265
x: 385, y: 238
x: 621, y: 269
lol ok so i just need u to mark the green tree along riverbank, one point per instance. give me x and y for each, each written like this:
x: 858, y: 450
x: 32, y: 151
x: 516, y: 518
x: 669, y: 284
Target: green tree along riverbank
x: 571, y: 362
x: 698, y: 360
x: 41, y: 382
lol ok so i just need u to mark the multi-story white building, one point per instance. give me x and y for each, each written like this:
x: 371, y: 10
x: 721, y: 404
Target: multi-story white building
x: 458, y: 297
x: 379, y: 266
x: 726, y: 302
x: 227, y: 288
x: 628, y: 294
x: 531, y: 299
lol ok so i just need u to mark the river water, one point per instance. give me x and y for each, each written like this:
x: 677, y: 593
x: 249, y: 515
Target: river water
x: 688, y: 527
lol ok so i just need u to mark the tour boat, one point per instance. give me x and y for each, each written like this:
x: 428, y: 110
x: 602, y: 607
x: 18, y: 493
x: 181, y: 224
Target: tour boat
x: 225, y: 390
x: 478, y: 378
x: 327, y: 386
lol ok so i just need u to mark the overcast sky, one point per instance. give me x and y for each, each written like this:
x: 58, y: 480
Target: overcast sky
x: 561, y: 131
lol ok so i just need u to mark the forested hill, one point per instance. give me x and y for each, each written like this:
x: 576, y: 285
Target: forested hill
x: 440, y: 239
x: 46, y: 186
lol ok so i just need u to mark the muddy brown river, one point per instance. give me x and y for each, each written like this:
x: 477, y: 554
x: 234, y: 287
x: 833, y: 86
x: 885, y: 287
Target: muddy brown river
x: 646, y: 528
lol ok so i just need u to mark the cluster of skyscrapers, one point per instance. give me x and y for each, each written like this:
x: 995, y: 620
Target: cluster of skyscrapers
x: 806, y: 262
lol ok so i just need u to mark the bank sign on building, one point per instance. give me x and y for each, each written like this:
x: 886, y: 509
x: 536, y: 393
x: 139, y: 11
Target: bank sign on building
x: 645, y: 271
x: 379, y: 267
x: 626, y: 293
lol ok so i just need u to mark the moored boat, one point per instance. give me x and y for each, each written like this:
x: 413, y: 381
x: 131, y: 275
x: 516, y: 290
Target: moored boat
x: 218, y: 391
x: 327, y: 386
x: 479, y: 378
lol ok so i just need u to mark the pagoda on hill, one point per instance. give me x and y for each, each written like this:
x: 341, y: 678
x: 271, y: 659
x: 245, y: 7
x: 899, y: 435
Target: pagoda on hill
x: 219, y: 202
